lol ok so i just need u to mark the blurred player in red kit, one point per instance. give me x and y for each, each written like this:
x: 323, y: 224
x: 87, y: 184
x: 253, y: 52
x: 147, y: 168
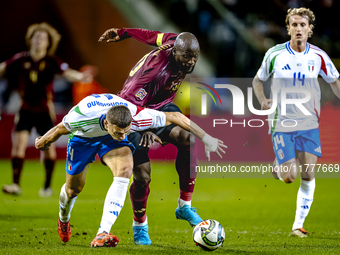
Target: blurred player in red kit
x: 31, y: 73
x: 153, y: 83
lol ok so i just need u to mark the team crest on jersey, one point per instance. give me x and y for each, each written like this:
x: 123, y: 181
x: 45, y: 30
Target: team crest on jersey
x: 311, y: 65
x: 280, y: 153
x: 141, y: 94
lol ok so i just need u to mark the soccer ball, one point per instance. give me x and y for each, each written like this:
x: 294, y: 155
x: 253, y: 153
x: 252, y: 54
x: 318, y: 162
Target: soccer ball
x: 209, y: 234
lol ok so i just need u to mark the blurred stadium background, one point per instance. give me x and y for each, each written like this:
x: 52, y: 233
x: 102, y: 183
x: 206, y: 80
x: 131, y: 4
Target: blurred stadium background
x: 233, y: 34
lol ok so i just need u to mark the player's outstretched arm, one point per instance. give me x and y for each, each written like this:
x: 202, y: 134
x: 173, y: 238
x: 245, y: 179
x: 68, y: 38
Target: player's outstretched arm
x: 258, y: 90
x: 44, y: 142
x: 211, y: 143
x: 335, y: 86
x: 74, y: 75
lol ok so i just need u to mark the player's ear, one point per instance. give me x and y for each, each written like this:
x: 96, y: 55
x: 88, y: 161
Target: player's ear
x: 106, y: 124
x: 288, y: 27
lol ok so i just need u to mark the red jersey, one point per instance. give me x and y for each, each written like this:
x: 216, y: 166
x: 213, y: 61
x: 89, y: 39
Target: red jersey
x: 154, y: 80
x: 33, y: 80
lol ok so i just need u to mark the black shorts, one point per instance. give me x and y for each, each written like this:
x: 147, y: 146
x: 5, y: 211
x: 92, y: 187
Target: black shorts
x: 141, y: 153
x: 27, y: 120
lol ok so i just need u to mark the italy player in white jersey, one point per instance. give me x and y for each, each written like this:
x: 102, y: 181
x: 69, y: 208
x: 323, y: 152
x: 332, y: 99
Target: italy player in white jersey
x: 99, y: 125
x: 294, y: 67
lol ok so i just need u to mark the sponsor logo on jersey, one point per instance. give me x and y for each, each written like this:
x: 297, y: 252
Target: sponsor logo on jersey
x: 311, y: 65
x: 299, y: 64
x: 94, y: 103
x: 84, y: 131
x: 286, y: 67
x: 318, y: 149
x: 280, y: 153
x: 141, y: 94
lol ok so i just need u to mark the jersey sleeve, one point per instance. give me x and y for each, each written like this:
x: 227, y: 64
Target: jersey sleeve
x: 328, y: 71
x: 267, y: 65
x: 146, y: 119
x: 150, y: 37
x: 73, y: 121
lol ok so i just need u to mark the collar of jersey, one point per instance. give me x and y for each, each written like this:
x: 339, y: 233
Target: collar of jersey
x: 293, y: 52
x: 101, y: 122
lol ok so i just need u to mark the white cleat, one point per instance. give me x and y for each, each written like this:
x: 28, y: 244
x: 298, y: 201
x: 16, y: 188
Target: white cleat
x: 299, y: 232
x: 12, y: 189
x: 45, y: 192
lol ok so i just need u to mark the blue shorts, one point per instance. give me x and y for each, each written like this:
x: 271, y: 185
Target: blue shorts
x: 82, y: 150
x: 286, y: 144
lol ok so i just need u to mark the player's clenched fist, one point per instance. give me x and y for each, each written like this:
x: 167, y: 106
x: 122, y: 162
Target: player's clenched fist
x: 110, y: 35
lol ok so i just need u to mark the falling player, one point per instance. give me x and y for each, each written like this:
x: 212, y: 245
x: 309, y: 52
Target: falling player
x: 153, y: 83
x: 31, y: 73
x: 99, y: 125
x: 296, y: 64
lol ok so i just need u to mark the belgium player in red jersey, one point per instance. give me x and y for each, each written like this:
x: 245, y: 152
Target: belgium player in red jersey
x: 153, y: 83
x: 31, y: 73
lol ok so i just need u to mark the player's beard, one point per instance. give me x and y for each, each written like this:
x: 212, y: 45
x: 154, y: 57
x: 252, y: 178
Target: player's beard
x: 185, y: 69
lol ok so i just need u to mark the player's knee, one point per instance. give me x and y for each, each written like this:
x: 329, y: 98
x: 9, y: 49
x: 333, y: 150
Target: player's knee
x: 74, y: 191
x: 125, y: 171
x: 142, y: 177
x: 289, y: 179
x: 185, y: 138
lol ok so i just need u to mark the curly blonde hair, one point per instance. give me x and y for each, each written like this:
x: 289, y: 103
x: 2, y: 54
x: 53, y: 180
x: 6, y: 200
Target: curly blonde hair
x: 303, y: 12
x: 53, y: 35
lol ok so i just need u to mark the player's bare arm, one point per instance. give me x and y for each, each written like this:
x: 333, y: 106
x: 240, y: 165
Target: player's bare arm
x: 44, y: 142
x: 211, y: 143
x: 74, y: 75
x: 335, y: 86
x: 258, y: 90
x: 110, y: 35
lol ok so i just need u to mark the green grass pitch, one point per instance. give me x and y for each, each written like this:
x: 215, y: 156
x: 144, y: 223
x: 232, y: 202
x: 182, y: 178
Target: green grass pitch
x: 257, y: 215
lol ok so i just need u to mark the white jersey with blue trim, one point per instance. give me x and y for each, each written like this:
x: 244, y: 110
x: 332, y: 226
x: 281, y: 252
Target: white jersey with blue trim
x: 86, y: 119
x: 291, y: 69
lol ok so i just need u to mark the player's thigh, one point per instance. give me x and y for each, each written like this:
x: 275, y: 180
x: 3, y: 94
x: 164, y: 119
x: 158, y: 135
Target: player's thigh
x: 181, y: 137
x: 75, y: 183
x: 120, y: 161
x: 284, y: 147
x: 19, y: 145
x: 140, y: 155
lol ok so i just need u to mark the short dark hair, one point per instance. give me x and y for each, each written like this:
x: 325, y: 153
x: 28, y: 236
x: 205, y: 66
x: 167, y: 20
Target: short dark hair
x: 119, y: 115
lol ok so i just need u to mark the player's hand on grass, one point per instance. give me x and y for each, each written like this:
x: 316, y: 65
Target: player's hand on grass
x: 266, y: 104
x: 40, y: 145
x: 148, y: 139
x: 213, y: 145
x: 110, y: 35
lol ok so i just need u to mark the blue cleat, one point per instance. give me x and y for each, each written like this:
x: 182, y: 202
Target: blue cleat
x: 189, y: 214
x: 141, y: 235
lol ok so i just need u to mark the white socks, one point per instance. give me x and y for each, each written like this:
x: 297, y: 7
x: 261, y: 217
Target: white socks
x: 114, y: 202
x: 65, y: 205
x: 303, y: 202
x: 137, y: 224
x: 182, y: 202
